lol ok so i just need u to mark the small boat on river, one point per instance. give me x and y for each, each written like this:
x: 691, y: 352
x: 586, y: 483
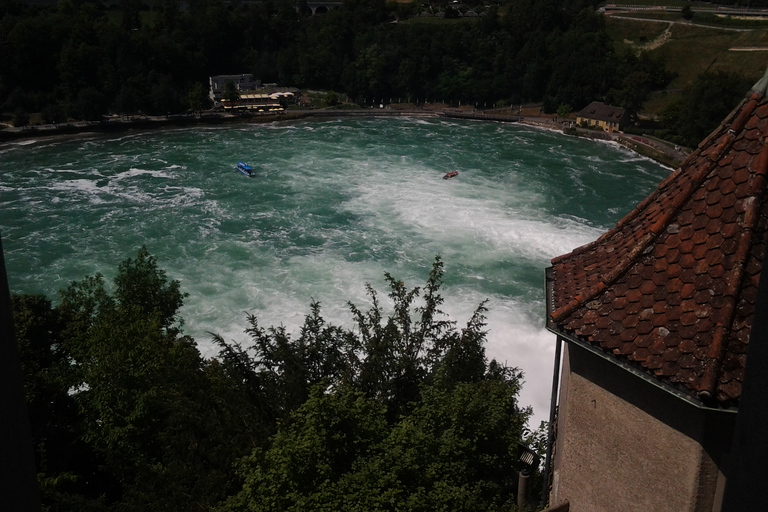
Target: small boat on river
x: 245, y: 168
x: 450, y: 175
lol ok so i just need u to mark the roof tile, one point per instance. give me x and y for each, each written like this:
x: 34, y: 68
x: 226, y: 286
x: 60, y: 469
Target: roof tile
x: 681, y: 269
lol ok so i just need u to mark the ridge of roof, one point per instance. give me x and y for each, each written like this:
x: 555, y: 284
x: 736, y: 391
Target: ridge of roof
x: 762, y: 85
x: 601, y: 111
x: 671, y: 288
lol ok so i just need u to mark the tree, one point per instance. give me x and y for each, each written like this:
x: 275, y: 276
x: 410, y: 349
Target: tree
x: 142, y: 284
x: 127, y: 414
x: 451, y: 13
x: 552, y: 50
x: 405, y: 349
x: 455, y: 451
x: 703, y: 105
x: 91, y: 104
x: 403, y: 411
x: 54, y: 113
x: 286, y: 368
x: 130, y: 18
x: 198, y: 98
x: 422, y: 421
x: 230, y: 92
x: 638, y: 76
x: 316, y: 446
x: 20, y: 117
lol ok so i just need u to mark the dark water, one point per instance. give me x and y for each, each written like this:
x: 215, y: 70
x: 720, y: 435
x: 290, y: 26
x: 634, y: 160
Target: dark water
x: 334, y: 205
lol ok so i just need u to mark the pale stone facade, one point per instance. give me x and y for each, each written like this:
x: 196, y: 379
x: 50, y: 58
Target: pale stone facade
x: 626, y: 445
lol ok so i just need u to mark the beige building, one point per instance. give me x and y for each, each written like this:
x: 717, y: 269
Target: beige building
x: 655, y: 318
x: 606, y: 117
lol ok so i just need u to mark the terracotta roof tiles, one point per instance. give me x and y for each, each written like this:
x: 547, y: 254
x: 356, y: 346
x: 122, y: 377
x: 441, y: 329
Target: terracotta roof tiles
x: 671, y: 289
x: 602, y: 112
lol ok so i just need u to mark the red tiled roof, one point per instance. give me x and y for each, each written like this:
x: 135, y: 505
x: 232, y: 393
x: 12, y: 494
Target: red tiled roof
x: 602, y: 112
x: 671, y: 289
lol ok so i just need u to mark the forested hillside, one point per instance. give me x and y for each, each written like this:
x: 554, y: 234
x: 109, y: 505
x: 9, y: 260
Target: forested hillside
x: 76, y: 59
x: 400, y: 412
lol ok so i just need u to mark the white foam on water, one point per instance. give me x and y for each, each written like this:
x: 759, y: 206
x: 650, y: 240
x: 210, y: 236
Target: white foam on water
x: 83, y: 186
x: 457, y: 215
x: 134, y: 172
x: 419, y: 121
x: 334, y: 206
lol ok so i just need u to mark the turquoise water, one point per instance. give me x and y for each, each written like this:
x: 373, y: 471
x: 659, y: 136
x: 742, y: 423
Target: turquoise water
x: 333, y: 206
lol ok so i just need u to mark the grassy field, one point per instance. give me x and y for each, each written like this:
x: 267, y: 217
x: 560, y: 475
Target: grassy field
x: 690, y: 50
x: 626, y: 32
x: 667, y: 3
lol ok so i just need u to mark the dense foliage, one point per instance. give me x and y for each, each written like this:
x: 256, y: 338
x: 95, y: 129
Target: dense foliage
x: 77, y: 59
x: 703, y: 106
x: 402, y: 412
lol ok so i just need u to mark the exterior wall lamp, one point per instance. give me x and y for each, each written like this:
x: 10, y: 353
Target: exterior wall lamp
x: 528, y: 462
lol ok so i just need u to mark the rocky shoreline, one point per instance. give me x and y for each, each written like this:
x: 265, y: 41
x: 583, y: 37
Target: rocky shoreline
x: 657, y: 151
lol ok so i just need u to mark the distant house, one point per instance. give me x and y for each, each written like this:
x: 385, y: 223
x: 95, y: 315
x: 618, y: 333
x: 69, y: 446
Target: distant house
x: 655, y: 321
x: 607, y: 117
x: 243, y: 83
x: 261, y: 101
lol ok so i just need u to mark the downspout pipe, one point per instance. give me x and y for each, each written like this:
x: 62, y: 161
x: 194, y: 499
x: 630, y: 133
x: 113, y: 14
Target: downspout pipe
x: 551, y: 426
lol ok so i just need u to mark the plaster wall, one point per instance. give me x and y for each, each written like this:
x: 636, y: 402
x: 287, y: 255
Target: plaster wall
x: 623, y: 444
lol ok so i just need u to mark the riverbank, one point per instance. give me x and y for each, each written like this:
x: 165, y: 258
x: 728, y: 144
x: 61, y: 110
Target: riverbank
x: 116, y: 124
x: 655, y: 150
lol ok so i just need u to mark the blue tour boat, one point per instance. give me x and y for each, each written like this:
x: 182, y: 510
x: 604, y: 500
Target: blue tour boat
x: 244, y: 168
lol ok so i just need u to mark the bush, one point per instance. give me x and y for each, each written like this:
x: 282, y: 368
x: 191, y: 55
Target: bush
x: 20, y: 117
x: 564, y: 110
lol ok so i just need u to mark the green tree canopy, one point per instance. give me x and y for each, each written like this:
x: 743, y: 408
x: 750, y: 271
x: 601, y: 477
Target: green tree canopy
x: 402, y: 411
x: 126, y: 413
x: 230, y: 91
x: 90, y: 62
x: 703, y: 105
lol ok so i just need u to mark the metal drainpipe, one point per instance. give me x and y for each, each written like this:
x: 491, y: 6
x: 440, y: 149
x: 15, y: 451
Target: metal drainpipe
x: 522, y: 488
x: 551, y: 426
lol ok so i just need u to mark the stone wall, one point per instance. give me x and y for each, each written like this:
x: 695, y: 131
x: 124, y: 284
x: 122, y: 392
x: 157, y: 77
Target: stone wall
x: 625, y: 444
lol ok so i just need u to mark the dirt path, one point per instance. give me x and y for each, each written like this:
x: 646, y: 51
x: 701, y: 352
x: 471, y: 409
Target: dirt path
x: 656, y: 43
x: 702, y: 25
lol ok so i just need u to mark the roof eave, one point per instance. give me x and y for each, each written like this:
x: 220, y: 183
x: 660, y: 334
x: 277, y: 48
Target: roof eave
x: 554, y: 328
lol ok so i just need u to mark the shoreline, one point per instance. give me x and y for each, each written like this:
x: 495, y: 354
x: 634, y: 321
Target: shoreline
x: 122, y: 124
x: 143, y: 123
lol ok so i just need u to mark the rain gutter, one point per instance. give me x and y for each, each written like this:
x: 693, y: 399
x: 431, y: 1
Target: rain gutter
x: 647, y: 377
x: 569, y: 338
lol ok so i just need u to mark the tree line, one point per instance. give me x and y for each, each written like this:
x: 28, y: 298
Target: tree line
x: 78, y: 59
x: 400, y: 412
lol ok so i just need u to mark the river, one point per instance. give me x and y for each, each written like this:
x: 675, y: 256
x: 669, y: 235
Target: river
x: 334, y: 204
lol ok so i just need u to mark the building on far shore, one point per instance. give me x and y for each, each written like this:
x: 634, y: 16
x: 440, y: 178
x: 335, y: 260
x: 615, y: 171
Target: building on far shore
x: 243, y: 83
x: 260, y: 101
x: 253, y: 95
x: 607, y: 117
